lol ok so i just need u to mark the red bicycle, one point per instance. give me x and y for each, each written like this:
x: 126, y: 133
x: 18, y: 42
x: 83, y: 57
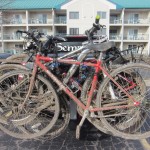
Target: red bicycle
x: 121, y: 103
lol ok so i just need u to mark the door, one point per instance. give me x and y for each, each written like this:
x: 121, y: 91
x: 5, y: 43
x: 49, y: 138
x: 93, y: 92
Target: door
x: 132, y: 34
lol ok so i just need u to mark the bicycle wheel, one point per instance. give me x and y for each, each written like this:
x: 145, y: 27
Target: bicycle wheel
x: 136, y: 58
x: 4, y: 68
x: 18, y: 57
x: 43, y: 102
x: 64, y: 116
x: 62, y: 121
x: 127, y: 122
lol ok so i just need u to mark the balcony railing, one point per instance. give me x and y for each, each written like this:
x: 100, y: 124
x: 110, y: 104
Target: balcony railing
x: 37, y: 21
x: 60, y: 20
x: 137, y: 37
x: 11, y: 37
x: 115, y: 21
x: 12, y: 21
x: 137, y: 21
x: 115, y: 37
x: 13, y: 51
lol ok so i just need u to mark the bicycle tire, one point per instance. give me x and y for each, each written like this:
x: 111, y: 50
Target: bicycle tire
x: 96, y: 121
x: 62, y: 122
x: 18, y: 57
x: 26, y: 135
x: 135, y: 129
x: 136, y: 58
x: 4, y: 68
x: 64, y: 110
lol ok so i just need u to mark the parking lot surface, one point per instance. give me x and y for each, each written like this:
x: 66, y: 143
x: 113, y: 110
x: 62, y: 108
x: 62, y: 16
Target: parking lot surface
x: 91, y: 139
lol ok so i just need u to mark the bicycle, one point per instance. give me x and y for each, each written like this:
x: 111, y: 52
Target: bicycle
x: 62, y: 85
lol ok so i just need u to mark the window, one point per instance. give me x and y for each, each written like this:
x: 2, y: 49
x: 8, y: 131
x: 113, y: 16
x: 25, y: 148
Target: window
x: 115, y: 19
x: 114, y: 31
x: 73, y: 15
x: 74, y: 31
x: 133, y: 31
x: 114, y: 34
x: 18, y: 46
x: 17, y: 35
x: 102, y: 14
x: 133, y: 47
x: 42, y: 18
x: 133, y: 18
x: 60, y: 19
x: 17, y: 19
x: 133, y: 34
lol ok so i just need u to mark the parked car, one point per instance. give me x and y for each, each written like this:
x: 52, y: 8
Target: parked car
x: 5, y: 55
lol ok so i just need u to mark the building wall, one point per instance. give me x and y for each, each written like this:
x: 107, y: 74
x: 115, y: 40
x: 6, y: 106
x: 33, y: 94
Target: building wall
x: 58, y: 22
x: 87, y: 12
x: 143, y: 15
x: 9, y: 17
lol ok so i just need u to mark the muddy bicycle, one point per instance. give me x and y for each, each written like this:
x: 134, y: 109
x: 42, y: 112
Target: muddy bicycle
x: 120, y: 100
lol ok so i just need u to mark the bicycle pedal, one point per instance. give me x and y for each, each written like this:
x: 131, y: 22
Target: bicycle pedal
x: 78, y: 128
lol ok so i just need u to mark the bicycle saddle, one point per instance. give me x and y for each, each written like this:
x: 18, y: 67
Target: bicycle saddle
x: 101, y: 47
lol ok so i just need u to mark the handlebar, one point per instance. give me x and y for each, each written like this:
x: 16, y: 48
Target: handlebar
x: 96, y: 26
x: 42, y: 46
x: 52, y: 40
x: 31, y: 35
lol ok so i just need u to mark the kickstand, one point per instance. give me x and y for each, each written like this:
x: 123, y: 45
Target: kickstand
x: 85, y: 114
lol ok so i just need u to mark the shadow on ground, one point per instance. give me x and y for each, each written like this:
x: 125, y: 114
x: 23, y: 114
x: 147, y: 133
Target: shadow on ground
x: 91, y: 139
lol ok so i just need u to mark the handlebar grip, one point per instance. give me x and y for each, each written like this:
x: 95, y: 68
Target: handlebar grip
x: 97, y: 19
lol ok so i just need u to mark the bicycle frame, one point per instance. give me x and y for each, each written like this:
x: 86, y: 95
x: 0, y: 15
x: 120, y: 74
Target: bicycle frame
x: 98, y: 67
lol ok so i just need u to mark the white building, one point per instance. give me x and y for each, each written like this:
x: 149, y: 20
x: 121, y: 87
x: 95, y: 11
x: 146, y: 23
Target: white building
x: 127, y: 22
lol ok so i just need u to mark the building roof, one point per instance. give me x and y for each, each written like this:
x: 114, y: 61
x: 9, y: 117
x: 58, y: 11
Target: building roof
x: 48, y: 4
x: 35, y: 4
x: 135, y: 4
